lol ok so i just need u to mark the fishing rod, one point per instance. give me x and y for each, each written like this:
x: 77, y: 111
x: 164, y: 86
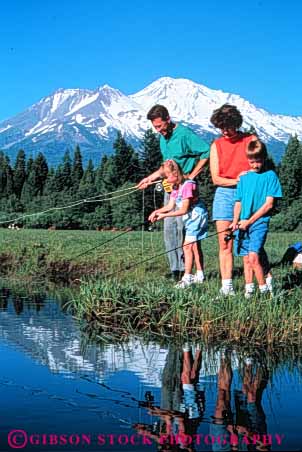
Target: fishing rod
x: 130, y: 266
x: 110, y: 240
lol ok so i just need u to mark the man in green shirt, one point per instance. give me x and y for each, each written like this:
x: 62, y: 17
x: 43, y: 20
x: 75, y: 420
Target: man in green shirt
x: 191, y: 153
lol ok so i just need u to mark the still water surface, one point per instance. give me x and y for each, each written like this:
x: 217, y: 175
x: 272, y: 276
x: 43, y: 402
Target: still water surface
x: 61, y: 392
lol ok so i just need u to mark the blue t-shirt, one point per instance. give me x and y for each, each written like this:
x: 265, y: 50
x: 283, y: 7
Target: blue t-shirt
x: 253, y: 189
x: 184, y: 147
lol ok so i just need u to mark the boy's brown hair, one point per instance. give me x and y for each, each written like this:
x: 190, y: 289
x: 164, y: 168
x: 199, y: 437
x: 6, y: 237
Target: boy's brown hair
x: 256, y: 149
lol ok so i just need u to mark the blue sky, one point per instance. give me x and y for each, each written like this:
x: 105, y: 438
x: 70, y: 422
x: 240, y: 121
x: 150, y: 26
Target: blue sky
x: 251, y: 48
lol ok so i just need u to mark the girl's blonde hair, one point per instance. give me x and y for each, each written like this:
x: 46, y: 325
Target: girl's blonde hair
x: 170, y: 166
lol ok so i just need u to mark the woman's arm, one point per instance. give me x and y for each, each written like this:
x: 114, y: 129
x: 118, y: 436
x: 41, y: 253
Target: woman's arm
x: 214, y: 167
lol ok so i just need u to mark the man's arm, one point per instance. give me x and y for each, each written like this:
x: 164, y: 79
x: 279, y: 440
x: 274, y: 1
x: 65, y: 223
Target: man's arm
x: 197, y: 169
x: 267, y: 206
x: 144, y: 183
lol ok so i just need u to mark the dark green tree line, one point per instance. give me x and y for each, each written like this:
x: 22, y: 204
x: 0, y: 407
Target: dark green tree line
x: 31, y: 186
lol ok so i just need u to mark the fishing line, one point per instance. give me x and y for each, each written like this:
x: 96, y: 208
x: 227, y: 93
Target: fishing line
x: 78, y: 203
x: 130, y: 266
x: 110, y: 240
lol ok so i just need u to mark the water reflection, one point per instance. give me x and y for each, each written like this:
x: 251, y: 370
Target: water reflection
x: 247, y: 424
x: 183, y: 401
x: 241, y: 427
x: 187, y: 398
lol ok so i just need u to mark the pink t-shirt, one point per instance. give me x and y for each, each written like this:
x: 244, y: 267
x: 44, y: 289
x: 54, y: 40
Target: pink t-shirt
x: 188, y: 190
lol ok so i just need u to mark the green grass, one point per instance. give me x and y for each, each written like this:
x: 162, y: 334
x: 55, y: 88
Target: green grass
x: 140, y: 299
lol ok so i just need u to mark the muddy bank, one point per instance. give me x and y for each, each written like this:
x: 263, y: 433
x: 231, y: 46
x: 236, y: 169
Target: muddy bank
x: 56, y: 271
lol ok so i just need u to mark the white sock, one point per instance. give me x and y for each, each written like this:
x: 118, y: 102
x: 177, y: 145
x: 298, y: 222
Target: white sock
x: 250, y: 287
x: 186, y: 347
x: 269, y: 283
x: 200, y: 274
x: 227, y: 284
x: 263, y: 288
x: 187, y: 276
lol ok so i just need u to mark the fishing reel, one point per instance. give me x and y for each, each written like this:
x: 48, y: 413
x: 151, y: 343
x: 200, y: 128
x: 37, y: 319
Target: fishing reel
x: 228, y: 237
x: 158, y: 187
x: 149, y: 400
x: 149, y: 397
x: 164, y: 185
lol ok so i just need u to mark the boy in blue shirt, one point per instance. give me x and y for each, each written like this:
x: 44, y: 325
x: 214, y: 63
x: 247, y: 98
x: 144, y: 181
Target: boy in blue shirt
x: 255, y: 196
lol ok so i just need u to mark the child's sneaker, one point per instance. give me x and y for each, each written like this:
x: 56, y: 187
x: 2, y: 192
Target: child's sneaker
x: 248, y: 361
x: 187, y: 347
x: 249, y: 290
x: 198, y: 279
x: 186, y: 281
x: 269, y: 283
x: 264, y: 290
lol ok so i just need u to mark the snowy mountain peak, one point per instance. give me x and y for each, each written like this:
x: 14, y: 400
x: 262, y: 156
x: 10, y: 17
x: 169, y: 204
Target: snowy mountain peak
x: 109, y: 94
x: 91, y: 118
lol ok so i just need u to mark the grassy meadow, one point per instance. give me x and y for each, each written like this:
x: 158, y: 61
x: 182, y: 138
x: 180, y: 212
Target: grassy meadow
x: 119, y: 294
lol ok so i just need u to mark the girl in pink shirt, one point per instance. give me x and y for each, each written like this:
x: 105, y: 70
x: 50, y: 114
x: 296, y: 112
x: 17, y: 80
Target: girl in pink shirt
x: 184, y: 202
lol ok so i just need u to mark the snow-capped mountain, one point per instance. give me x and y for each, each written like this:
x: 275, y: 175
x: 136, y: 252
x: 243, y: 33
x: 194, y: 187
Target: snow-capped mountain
x: 92, y: 118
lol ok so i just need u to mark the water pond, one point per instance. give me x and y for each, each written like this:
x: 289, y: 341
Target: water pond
x: 59, y: 391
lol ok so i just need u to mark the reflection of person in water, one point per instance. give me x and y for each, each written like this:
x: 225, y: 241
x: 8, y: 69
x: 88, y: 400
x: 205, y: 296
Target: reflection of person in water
x: 18, y: 304
x: 38, y: 301
x: 249, y: 411
x: 4, y: 295
x: 250, y: 418
x: 223, y: 415
x: 193, y: 399
x: 181, y: 418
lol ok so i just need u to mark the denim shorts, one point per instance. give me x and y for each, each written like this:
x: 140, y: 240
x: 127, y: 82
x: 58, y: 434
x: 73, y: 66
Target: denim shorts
x: 223, y: 205
x: 252, y: 240
x: 196, y: 223
x: 189, y: 402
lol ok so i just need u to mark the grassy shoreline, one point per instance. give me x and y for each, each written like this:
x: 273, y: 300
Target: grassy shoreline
x: 141, y: 299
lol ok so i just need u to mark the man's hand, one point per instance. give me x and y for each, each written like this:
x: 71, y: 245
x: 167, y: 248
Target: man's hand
x: 243, y: 225
x: 144, y: 183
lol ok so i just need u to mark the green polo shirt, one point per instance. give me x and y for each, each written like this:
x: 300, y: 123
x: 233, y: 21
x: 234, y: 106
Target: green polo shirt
x: 185, y: 148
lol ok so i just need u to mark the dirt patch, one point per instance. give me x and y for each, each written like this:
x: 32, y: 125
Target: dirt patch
x: 68, y: 272
x: 7, y: 263
x: 61, y: 272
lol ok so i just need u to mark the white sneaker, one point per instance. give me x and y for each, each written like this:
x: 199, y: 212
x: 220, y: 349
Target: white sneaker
x: 248, y: 361
x: 248, y: 295
x: 226, y: 292
x: 198, y: 279
x: 186, y: 347
x: 185, y: 282
x: 269, y: 283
